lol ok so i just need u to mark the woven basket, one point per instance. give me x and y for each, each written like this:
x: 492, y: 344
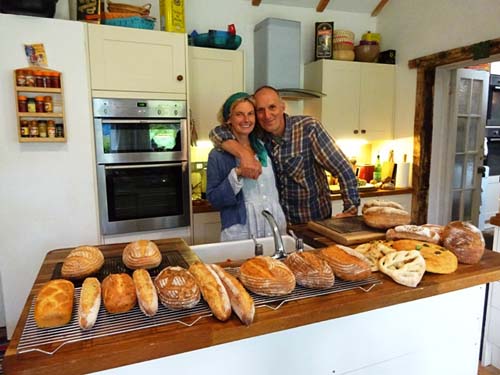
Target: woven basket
x: 130, y: 9
x: 343, y: 36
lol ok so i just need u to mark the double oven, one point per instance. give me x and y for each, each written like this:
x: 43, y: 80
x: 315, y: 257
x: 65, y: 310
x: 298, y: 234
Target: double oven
x: 493, y: 126
x: 142, y: 164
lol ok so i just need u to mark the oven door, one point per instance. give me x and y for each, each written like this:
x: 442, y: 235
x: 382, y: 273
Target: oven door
x: 140, y: 197
x: 136, y: 140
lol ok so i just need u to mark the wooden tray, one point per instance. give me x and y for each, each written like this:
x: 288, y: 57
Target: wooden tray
x: 346, y: 231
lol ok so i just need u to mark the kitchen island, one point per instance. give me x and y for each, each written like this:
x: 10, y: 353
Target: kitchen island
x: 434, y: 328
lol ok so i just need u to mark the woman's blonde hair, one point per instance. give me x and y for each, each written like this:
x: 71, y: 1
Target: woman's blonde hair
x: 234, y: 103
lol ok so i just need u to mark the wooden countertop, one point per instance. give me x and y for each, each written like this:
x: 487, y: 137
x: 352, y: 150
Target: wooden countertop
x: 150, y: 343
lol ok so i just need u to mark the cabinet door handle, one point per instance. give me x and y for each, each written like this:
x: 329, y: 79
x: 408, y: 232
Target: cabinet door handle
x: 356, y: 131
x: 180, y: 77
x: 363, y: 131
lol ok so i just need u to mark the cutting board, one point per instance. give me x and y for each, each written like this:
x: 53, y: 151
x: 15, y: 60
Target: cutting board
x: 346, y: 231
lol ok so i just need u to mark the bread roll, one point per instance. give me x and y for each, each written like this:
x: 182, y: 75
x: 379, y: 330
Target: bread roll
x: 465, y: 241
x: 413, y: 232
x: 385, y: 217
x: 54, y: 303
x: 404, y: 267
x: 118, y: 293
x: 266, y: 276
x: 141, y: 254
x: 374, y: 251
x: 177, y: 288
x: 346, y: 263
x: 310, y: 270
x: 82, y: 262
x: 146, y: 292
x: 241, y: 302
x: 212, y: 290
x: 90, y: 302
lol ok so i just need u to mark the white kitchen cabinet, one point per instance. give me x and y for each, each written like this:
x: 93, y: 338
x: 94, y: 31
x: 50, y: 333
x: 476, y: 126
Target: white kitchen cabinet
x: 135, y: 60
x: 359, y: 101
x: 206, y: 227
x: 214, y: 74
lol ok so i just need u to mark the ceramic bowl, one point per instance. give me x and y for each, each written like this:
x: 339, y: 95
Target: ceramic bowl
x: 367, y: 52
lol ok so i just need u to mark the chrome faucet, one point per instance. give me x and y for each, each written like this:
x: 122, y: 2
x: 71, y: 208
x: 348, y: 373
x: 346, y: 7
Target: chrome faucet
x: 279, y: 248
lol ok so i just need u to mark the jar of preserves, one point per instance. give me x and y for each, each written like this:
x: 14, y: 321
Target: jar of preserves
x: 42, y: 128
x: 20, y: 77
x: 25, y: 128
x: 39, y: 79
x: 55, y: 79
x: 47, y: 104
x: 51, y: 128
x: 31, y: 105
x: 22, y: 103
x: 39, y: 104
x: 30, y: 78
x: 59, y: 131
x: 34, y: 129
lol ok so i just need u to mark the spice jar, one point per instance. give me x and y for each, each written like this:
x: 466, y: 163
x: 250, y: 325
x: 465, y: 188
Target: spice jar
x: 25, y: 128
x: 22, y: 103
x: 42, y: 128
x: 39, y: 79
x: 47, y: 104
x: 39, y: 104
x: 30, y: 78
x: 55, y: 79
x: 51, y: 128
x: 59, y: 131
x: 34, y: 128
x: 20, y: 77
x: 31, y: 105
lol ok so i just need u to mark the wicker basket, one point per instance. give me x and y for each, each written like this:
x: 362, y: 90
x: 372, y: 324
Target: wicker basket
x: 130, y: 9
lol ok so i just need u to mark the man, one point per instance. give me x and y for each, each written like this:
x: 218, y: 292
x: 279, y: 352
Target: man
x: 301, y: 151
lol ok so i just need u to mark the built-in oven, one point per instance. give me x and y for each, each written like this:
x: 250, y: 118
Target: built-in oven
x: 492, y: 158
x: 493, y: 114
x: 142, y: 164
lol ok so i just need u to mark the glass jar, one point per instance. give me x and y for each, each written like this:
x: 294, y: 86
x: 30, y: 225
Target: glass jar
x: 25, y: 128
x: 22, y: 103
x: 39, y: 104
x: 20, y: 77
x: 47, y: 104
x: 31, y: 105
x: 30, y: 78
x: 51, y: 128
x: 55, y: 79
x: 59, y: 131
x: 42, y: 128
x: 34, y: 129
x: 39, y: 79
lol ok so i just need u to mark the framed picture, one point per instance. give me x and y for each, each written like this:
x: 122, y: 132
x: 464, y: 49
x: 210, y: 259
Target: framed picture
x: 324, y: 41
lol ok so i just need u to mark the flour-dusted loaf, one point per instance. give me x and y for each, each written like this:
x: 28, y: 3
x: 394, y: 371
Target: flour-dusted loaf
x: 146, y: 292
x: 118, y: 293
x: 266, y: 276
x: 90, y: 302
x: 385, y: 217
x: 241, y: 301
x: 373, y: 251
x: 310, y: 270
x: 81, y: 262
x: 54, y: 303
x: 141, y: 254
x: 177, y: 288
x: 465, y: 241
x: 381, y: 203
x: 212, y: 290
x: 413, y: 232
x: 404, y: 267
x: 346, y: 263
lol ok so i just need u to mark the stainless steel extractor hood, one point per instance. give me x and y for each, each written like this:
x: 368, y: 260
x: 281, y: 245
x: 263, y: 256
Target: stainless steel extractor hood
x: 277, y: 60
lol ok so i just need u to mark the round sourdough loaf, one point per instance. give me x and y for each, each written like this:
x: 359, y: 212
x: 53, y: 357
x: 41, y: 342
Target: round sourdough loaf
x: 177, y: 288
x: 82, y: 262
x: 141, y: 254
x: 118, y: 293
x: 267, y: 276
x: 310, y: 270
x: 465, y: 241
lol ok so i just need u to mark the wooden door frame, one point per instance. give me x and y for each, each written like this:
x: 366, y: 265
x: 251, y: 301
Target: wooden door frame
x: 424, y: 109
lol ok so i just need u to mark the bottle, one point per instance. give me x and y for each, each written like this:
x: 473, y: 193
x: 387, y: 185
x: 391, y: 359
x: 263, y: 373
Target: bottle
x: 377, y: 172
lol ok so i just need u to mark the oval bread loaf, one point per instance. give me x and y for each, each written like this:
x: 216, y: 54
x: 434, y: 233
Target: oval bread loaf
x: 385, y: 217
x: 54, y: 303
x: 82, y: 262
x: 146, y: 292
x: 346, y: 263
x: 310, y: 270
x: 118, y: 293
x: 413, y: 232
x: 465, y: 241
x: 141, y: 254
x: 90, y: 302
x: 266, y: 276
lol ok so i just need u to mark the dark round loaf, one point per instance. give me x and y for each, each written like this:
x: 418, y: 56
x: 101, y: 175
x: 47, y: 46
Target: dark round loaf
x: 465, y: 241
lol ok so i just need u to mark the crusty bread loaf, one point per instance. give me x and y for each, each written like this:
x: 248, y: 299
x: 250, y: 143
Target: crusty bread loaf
x: 141, y: 254
x: 177, y: 288
x: 346, y: 263
x: 241, y: 301
x: 413, y: 232
x: 310, y: 270
x: 212, y: 290
x: 82, y: 262
x: 90, y: 302
x: 54, y: 303
x: 118, y: 293
x: 266, y: 276
x: 385, y: 217
x: 465, y: 241
x: 146, y: 292
x: 404, y: 267
x: 380, y: 203
x: 374, y: 251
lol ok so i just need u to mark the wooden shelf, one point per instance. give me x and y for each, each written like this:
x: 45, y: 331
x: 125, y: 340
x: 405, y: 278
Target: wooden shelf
x: 38, y: 89
x: 41, y: 114
x: 42, y: 140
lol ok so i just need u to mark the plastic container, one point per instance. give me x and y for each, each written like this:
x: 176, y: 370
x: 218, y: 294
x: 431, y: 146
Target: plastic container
x: 133, y: 22
x: 217, y: 39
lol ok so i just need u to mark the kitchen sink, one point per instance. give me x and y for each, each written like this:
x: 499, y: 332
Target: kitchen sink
x: 243, y: 249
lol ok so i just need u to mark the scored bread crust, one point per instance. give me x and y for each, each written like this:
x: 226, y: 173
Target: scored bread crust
x: 310, y: 270
x: 177, y: 288
x: 266, y: 276
x: 90, y: 302
x: 346, y: 265
x: 141, y: 254
x: 82, y: 262
x: 241, y: 301
x: 212, y: 289
x: 465, y: 240
x: 404, y: 267
x: 54, y: 303
x: 146, y: 292
x: 413, y: 232
x: 118, y: 293
x: 385, y: 217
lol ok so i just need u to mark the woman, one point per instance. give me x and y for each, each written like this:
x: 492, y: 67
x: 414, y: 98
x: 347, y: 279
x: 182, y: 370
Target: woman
x: 241, y: 200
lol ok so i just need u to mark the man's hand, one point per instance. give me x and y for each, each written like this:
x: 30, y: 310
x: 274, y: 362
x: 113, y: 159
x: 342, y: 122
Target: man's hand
x: 249, y: 166
x: 352, y: 211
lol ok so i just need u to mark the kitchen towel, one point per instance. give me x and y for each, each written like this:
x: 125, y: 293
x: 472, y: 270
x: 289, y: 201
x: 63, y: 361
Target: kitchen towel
x: 403, y: 175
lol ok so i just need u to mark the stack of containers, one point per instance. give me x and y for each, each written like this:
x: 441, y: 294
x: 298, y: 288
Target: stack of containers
x: 343, y: 45
x: 127, y: 15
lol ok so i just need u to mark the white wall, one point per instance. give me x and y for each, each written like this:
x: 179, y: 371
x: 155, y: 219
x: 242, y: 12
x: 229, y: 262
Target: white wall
x: 47, y: 195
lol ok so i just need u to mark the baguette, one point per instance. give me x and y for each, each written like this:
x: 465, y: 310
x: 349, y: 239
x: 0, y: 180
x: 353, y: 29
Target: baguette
x: 146, y: 292
x: 90, y: 302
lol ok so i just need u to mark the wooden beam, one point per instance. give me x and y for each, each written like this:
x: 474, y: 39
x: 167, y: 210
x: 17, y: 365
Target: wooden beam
x: 379, y: 7
x: 322, y: 5
x: 256, y: 2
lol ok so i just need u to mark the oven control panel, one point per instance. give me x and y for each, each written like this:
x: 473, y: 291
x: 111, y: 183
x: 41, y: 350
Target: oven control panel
x: 138, y: 108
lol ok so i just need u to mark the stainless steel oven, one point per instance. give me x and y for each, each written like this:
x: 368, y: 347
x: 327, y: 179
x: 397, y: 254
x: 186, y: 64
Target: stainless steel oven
x: 142, y: 164
x: 492, y: 159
